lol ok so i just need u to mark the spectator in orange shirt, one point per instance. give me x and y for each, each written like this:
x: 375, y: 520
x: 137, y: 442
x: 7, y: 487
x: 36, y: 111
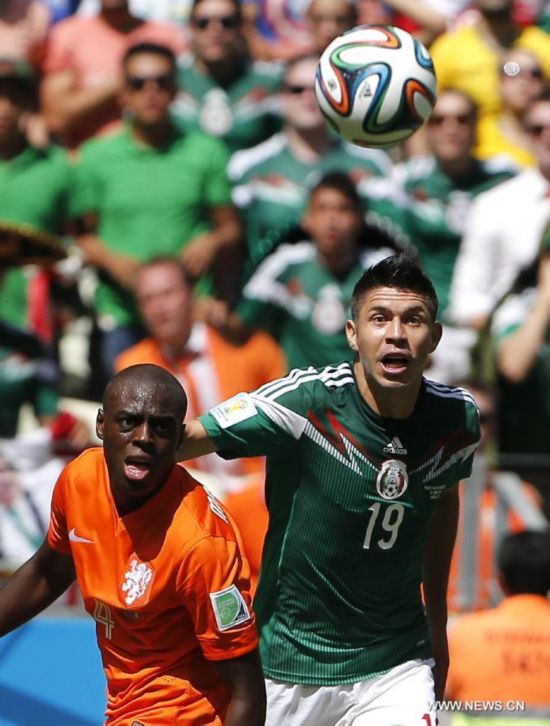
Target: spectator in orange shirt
x: 82, y: 68
x: 211, y: 370
x: 504, y: 654
x: 159, y: 567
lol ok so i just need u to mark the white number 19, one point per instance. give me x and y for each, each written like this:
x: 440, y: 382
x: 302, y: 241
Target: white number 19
x: 393, y: 516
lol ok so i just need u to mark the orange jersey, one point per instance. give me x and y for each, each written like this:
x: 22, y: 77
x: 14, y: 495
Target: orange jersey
x: 502, y: 654
x: 167, y: 587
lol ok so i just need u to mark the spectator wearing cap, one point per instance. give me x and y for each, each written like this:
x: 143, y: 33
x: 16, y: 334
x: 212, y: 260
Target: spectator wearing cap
x: 221, y: 90
x: 82, y: 77
x: 521, y: 83
x: 148, y: 190
x: 503, y: 654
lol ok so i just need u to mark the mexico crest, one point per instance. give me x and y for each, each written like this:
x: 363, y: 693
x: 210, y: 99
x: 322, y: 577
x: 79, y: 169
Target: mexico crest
x: 392, y: 479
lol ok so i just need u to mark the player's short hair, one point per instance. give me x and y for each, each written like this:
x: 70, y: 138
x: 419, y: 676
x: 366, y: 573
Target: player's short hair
x: 172, y: 261
x: 163, y: 51
x: 341, y: 183
x: 399, y: 271
x: 470, y: 100
x: 523, y: 561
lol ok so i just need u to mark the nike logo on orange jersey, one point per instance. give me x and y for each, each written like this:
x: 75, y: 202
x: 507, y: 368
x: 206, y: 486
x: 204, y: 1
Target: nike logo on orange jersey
x: 75, y: 538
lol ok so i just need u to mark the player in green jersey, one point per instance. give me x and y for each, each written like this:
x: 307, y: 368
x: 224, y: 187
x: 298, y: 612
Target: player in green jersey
x: 363, y: 460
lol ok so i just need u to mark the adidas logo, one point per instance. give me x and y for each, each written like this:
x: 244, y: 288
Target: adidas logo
x: 395, y: 447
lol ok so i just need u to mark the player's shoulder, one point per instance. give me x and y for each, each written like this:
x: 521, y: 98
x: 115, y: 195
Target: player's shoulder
x: 267, y: 71
x: 81, y: 474
x: 285, y: 258
x: 453, y: 404
x: 104, y: 147
x: 316, y: 385
x: 509, y: 190
x: 201, y: 514
x: 416, y: 169
x: 245, y: 161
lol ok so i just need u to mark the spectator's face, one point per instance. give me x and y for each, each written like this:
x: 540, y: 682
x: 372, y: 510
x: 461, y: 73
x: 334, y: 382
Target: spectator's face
x: 452, y: 127
x: 216, y: 31
x: 149, y: 88
x: 494, y: 7
x: 328, y: 19
x: 301, y: 109
x: 165, y: 300
x: 333, y: 223
x: 13, y: 104
x: 140, y: 427
x: 521, y: 81
x: 373, y: 12
x: 537, y: 123
x: 394, y: 336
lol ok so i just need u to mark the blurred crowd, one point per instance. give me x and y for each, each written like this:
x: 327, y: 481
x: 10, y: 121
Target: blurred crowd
x: 170, y: 193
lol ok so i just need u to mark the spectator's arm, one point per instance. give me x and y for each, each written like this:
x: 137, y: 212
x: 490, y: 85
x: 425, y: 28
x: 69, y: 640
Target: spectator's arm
x: 64, y: 105
x: 34, y: 586
x: 200, y: 254
x: 435, y: 576
x: 426, y: 16
x: 246, y: 683
x: 122, y: 268
x: 517, y: 352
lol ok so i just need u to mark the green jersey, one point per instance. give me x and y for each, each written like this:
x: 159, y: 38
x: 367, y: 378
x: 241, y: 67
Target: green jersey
x: 435, y: 213
x: 149, y: 201
x: 271, y: 186
x: 350, y: 497
x: 302, y: 304
x: 242, y: 111
x: 34, y: 189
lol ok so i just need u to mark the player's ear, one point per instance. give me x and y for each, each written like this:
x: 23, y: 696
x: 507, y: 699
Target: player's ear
x: 99, y: 422
x: 437, y: 332
x: 351, y: 335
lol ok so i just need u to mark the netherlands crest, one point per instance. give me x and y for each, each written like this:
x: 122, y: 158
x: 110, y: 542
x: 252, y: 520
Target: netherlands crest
x: 392, y: 479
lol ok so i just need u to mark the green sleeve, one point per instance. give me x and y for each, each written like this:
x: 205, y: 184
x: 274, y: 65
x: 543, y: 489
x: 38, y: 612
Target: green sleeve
x: 269, y: 421
x: 217, y: 190
x: 465, y: 455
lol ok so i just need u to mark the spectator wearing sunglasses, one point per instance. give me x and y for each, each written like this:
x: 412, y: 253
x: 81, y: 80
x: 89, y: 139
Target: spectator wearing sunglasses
x: 437, y: 191
x: 148, y: 190
x: 222, y: 91
x: 82, y: 68
x: 504, y: 230
x: 272, y: 181
x: 521, y: 82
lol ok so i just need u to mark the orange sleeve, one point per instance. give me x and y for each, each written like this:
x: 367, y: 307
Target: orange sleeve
x: 214, y: 584
x: 58, y: 537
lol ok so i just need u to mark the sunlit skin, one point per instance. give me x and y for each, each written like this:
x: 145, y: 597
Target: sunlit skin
x: 301, y: 110
x: 453, y: 139
x: 328, y: 19
x: 149, y: 106
x: 141, y: 427
x: 333, y: 221
x: 393, y: 336
x: 538, y: 118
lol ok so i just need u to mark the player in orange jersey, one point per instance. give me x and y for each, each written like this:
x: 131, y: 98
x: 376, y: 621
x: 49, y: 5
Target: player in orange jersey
x: 159, y: 566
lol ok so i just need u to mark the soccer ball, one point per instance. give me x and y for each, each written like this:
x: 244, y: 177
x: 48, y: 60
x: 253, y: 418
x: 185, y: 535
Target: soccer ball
x: 375, y: 85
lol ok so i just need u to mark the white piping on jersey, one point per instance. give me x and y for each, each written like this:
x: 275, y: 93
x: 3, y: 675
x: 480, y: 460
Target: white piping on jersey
x: 297, y: 373
x: 287, y: 419
x: 331, y: 377
x: 440, y: 389
x: 243, y: 161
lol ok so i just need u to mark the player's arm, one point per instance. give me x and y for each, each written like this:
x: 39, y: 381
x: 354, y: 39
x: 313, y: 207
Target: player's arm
x: 34, y: 586
x: 196, y: 441
x: 435, y: 575
x: 245, y: 680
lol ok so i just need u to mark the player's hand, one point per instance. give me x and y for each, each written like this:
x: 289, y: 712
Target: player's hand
x: 199, y: 255
x: 440, y: 649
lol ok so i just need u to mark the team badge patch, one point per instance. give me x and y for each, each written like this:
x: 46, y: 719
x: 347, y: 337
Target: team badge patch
x: 137, y: 582
x: 392, y: 479
x: 229, y: 608
x: 234, y: 410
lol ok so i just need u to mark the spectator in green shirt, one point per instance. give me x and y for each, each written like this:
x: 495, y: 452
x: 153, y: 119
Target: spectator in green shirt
x: 149, y: 190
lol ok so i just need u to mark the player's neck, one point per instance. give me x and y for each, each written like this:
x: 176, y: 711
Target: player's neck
x: 12, y: 148
x: 396, y: 403
x: 457, y: 168
x: 308, y: 145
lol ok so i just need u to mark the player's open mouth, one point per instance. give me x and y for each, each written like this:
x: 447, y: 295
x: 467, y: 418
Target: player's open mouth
x: 137, y: 468
x: 395, y: 363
